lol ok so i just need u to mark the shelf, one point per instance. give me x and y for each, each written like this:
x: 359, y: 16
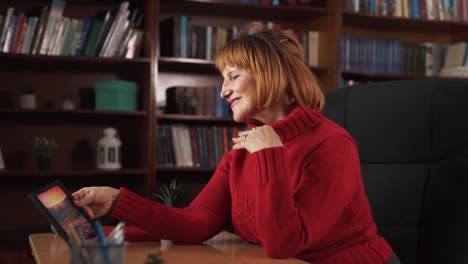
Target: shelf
x: 370, y: 21
x: 90, y: 173
x: 202, y: 65
x: 194, y: 118
x: 369, y: 76
x: 186, y: 65
x: 185, y: 169
x: 185, y: 174
x: 8, y: 60
x: 253, y: 11
x: 68, y: 116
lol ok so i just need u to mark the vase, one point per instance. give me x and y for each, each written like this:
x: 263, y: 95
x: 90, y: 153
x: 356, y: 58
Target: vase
x: 44, y: 163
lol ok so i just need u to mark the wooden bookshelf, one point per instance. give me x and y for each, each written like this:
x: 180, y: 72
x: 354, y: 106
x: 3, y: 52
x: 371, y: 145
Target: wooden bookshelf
x: 54, y: 78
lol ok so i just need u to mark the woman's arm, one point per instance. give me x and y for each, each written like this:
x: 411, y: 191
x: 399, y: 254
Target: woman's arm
x: 206, y: 216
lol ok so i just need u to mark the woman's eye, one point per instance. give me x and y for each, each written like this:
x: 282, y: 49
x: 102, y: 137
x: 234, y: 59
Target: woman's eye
x: 234, y: 77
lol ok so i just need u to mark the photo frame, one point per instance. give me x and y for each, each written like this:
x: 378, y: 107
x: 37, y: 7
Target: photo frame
x: 56, y: 203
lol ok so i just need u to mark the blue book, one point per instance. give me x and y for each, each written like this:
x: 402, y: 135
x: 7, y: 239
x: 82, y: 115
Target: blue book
x: 184, y: 25
x: 84, y: 36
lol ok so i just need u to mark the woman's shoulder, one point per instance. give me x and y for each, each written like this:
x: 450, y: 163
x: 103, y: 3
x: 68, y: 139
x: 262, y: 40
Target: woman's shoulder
x: 325, y: 130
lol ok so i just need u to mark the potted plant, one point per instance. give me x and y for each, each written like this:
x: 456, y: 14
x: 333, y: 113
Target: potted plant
x: 27, y: 99
x: 43, y: 148
x: 170, y: 192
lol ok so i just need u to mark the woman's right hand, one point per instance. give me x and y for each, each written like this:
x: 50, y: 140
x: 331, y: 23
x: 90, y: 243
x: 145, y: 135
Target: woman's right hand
x: 96, y: 201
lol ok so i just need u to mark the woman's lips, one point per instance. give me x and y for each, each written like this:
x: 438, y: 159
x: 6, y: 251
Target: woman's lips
x: 233, y: 102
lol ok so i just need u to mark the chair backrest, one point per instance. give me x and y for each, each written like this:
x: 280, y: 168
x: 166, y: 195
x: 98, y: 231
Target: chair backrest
x: 413, y: 144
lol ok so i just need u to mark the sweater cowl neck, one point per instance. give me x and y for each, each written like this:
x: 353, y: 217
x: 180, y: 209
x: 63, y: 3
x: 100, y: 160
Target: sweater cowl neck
x: 297, y: 120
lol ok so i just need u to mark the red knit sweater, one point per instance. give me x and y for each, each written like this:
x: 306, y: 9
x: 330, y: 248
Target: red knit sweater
x: 305, y: 199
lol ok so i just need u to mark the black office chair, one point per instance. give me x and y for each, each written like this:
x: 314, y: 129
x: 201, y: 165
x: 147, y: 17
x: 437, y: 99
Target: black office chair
x: 413, y: 144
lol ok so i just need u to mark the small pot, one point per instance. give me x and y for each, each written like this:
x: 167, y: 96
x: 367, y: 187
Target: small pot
x: 44, y: 162
x: 27, y: 101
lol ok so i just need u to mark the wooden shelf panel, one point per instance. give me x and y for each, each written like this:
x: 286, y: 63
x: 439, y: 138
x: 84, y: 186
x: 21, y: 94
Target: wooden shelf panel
x: 369, y: 76
x: 39, y: 116
x: 168, y: 118
x: 254, y: 11
x: 78, y: 112
x: 8, y: 60
x: 185, y: 169
x: 186, y: 65
x: 370, y: 21
x: 52, y: 173
x: 185, y: 175
x: 202, y: 66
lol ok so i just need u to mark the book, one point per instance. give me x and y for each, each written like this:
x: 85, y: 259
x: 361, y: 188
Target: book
x: 92, y: 39
x: 455, y: 55
x: 313, y: 41
x: 120, y: 18
x: 10, y: 34
x: 134, y: 44
x: 39, y: 33
x: 67, y: 45
x: 83, y: 36
x: 103, y: 33
x: 55, y: 14
x: 6, y: 26
x: 170, y: 37
x: 28, y: 38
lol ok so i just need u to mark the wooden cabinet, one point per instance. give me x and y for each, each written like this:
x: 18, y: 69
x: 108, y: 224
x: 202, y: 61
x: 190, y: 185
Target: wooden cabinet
x: 52, y: 79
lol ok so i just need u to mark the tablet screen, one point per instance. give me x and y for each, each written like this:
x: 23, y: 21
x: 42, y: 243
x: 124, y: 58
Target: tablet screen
x: 56, y: 203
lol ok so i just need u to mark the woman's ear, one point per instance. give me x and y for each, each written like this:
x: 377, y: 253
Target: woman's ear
x: 289, y: 99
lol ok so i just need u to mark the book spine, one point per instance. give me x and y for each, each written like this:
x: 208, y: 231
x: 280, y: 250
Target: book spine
x: 56, y: 11
x: 6, y: 26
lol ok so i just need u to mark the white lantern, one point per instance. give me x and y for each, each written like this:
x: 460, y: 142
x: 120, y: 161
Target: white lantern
x: 108, y: 150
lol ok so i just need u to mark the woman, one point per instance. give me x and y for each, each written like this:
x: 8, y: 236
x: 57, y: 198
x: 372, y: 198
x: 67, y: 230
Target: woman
x: 292, y: 183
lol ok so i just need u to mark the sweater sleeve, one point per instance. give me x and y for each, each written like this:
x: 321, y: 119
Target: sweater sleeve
x: 206, y: 216
x: 291, y: 220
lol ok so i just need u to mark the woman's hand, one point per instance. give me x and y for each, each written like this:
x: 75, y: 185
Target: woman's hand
x: 257, y: 139
x: 96, y: 201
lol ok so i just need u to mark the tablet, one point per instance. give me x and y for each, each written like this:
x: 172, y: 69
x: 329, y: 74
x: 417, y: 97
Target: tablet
x: 56, y: 203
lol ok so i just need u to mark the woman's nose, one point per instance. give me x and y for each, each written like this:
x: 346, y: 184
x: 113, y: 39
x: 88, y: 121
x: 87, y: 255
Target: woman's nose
x: 225, y: 92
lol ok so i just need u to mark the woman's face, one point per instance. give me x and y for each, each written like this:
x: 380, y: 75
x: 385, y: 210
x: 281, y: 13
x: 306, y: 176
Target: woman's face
x: 239, y: 89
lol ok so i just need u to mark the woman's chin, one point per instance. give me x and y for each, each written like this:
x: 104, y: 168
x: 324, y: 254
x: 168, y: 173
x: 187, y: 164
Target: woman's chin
x: 239, y: 118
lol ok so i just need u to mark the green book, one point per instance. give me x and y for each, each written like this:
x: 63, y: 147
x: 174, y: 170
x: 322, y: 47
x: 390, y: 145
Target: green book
x: 69, y: 38
x: 91, y: 44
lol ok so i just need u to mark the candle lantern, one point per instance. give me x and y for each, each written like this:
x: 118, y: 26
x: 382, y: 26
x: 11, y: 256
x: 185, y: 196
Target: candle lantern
x: 108, y: 150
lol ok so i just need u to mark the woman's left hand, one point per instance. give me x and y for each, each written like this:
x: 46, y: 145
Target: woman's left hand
x: 257, y: 139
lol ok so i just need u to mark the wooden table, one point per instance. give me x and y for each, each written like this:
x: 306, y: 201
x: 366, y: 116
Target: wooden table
x: 223, y: 248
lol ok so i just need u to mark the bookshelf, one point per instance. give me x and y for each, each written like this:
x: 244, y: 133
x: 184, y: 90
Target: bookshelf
x: 77, y: 131
x: 53, y: 78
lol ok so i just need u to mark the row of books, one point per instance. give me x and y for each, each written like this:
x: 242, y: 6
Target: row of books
x: 271, y: 2
x: 181, y: 38
x: 263, y: 2
x: 115, y: 35
x: 180, y: 145
x: 441, y: 10
x: 205, y: 101
x: 456, y: 60
x: 391, y: 56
